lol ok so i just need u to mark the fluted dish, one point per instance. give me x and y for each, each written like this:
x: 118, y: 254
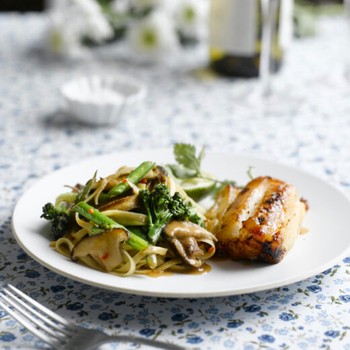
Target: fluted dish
x: 98, y: 100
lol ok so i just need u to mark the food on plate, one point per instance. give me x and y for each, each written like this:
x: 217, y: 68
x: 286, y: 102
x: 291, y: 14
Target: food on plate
x: 134, y: 221
x: 262, y: 222
x: 223, y: 200
x: 150, y: 220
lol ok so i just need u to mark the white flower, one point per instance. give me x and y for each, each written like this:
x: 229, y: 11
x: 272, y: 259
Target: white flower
x: 153, y: 37
x: 191, y: 18
x: 94, y: 24
x: 71, y: 21
x: 121, y: 7
x: 64, y: 36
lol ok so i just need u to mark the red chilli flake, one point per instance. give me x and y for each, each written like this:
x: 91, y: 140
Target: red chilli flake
x: 91, y: 211
x: 144, y: 180
x: 211, y: 250
x: 124, y: 180
x: 104, y: 256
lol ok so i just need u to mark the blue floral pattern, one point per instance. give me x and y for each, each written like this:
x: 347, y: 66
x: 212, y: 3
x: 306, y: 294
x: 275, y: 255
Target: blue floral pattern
x: 184, y: 105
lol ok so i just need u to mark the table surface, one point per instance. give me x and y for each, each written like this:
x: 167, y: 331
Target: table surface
x: 185, y: 104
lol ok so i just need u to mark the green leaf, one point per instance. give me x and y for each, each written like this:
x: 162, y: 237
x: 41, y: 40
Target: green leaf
x: 185, y: 155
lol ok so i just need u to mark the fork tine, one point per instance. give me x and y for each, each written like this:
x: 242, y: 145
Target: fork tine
x: 36, y: 318
x: 38, y: 306
x: 25, y: 323
x: 31, y: 314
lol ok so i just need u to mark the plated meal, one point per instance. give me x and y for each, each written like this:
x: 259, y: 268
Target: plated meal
x: 327, y: 239
x: 155, y: 219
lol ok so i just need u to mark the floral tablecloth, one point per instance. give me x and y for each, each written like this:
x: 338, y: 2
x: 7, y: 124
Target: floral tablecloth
x: 185, y: 103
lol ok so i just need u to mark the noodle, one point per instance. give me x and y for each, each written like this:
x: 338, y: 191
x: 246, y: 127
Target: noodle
x: 64, y: 246
x: 128, y: 268
x: 80, y: 234
x: 99, y: 190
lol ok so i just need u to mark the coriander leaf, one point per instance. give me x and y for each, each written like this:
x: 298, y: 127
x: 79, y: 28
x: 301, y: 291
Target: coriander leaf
x: 185, y: 155
x: 201, y: 155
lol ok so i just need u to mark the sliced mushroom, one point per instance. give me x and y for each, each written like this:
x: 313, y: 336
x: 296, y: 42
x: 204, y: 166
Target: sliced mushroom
x: 104, y: 248
x: 158, y: 175
x: 184, y: 236
x: 124, y: 203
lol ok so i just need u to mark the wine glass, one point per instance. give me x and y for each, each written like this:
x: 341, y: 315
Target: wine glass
x: 264, y: 98
x: 268, y: 10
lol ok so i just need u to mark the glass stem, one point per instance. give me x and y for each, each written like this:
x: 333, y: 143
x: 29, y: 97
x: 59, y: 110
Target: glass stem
x: 268, y: 10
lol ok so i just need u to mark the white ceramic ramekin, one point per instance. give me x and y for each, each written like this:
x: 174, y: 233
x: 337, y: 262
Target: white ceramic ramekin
x: 101, y: 100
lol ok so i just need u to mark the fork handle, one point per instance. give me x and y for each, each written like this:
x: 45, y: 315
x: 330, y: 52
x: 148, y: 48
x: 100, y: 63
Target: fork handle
x: 131, y: 339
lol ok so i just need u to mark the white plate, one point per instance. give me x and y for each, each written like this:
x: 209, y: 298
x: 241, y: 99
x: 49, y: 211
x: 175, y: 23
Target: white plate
x: 326, y: 242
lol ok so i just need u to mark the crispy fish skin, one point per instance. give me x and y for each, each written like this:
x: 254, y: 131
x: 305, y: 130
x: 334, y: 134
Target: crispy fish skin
x: 262, y: 223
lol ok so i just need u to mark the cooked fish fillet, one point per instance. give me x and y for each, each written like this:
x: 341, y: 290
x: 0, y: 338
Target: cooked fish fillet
x: 223, y: 200
x: 263, y: 221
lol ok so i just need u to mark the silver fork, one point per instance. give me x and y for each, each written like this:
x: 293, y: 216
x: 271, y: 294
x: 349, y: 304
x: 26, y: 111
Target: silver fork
x: 57, y: 331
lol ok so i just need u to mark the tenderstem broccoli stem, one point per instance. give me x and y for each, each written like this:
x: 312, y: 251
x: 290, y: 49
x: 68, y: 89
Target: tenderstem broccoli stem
x: 105, y: 222
x: 134, y: 177
x: 156, y: 230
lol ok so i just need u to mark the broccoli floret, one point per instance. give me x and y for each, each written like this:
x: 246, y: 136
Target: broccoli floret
x: 59, y: 220
x: 161, y: 208
x: 184, y: 211
x: 156, y: 204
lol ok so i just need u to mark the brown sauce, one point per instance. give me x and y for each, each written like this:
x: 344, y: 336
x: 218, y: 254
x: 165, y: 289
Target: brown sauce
x: 190, y: 271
